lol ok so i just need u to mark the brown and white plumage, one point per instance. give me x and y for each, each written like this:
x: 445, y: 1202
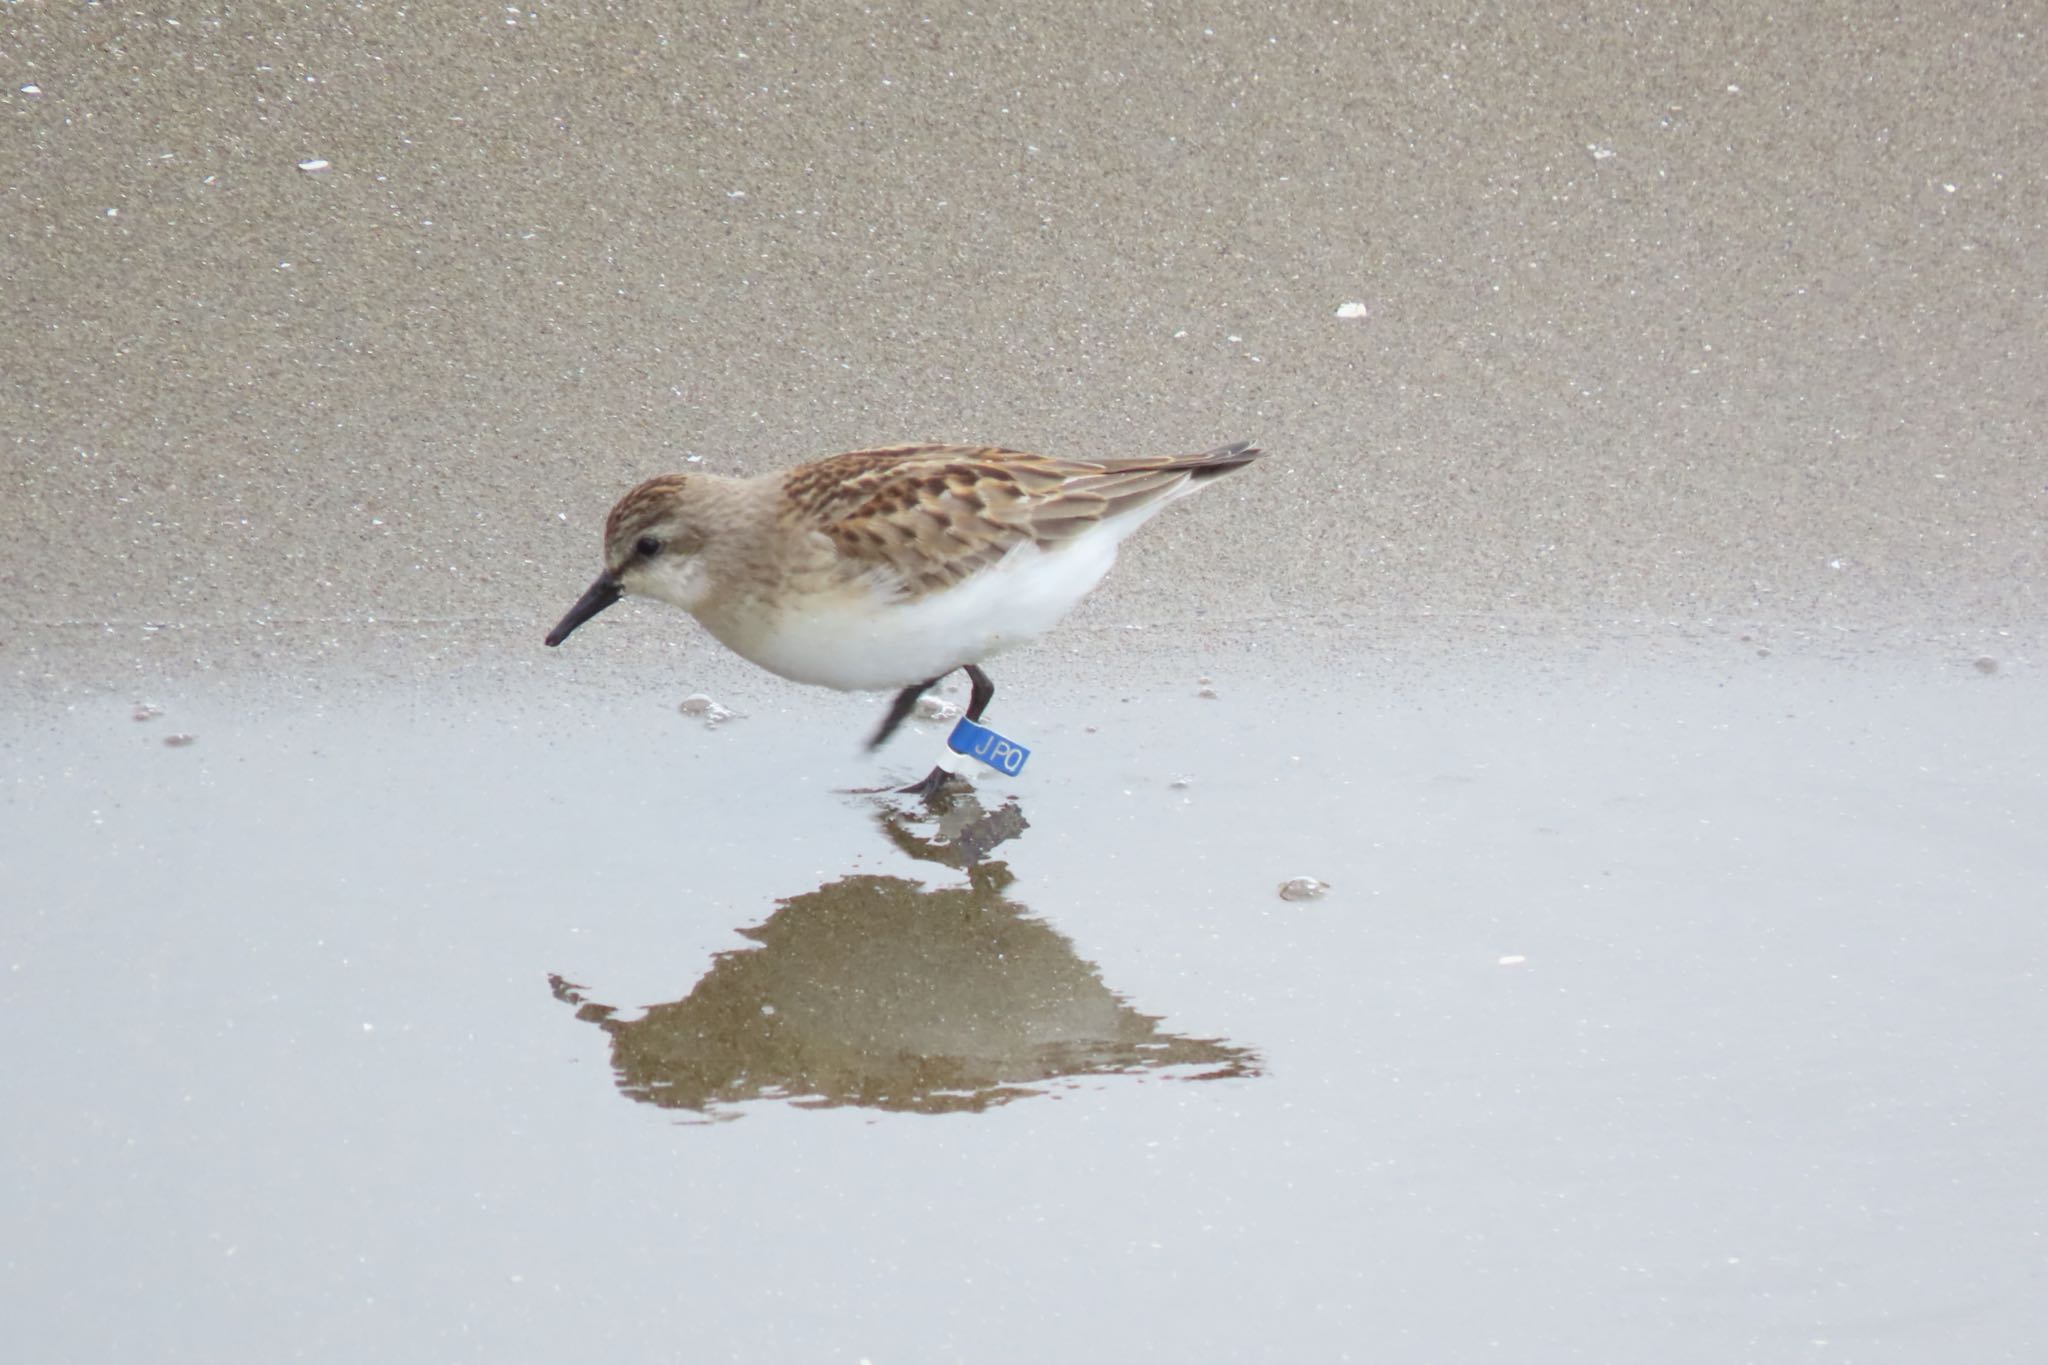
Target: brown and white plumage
x: 885, y: 568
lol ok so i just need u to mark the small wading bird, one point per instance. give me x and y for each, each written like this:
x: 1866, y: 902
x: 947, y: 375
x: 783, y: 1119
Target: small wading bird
x: 886, y: 568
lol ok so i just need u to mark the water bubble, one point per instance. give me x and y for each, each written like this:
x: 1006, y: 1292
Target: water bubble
x: 147, y: 710
x: 710, y: 712
x: 179, y: 741
x: 936, y: 708
x: 1302, y: 889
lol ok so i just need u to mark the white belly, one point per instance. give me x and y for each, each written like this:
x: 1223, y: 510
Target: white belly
x: 859, y: 643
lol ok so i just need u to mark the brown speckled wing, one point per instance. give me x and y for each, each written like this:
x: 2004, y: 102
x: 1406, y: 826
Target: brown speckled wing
x: 924, y: 516
x: 930, y: 516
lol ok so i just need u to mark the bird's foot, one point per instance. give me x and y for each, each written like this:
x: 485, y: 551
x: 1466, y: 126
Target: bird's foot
x: 935, y: 785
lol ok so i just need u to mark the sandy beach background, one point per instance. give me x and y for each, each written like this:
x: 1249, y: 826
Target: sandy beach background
x: 1637, y: 623
x: 1701, y: 320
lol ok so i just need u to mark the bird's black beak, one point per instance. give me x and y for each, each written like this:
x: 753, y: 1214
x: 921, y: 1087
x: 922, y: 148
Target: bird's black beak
x: 601, y: 594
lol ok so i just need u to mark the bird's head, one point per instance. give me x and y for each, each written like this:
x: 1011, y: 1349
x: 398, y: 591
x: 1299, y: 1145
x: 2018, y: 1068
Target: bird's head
x: 651, y: 540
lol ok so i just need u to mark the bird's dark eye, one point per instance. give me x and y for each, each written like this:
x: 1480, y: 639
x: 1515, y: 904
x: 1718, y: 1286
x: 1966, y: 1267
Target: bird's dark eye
x: 647, y: 547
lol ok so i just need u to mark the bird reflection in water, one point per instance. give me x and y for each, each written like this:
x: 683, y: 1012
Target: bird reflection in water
x: 886, y: 993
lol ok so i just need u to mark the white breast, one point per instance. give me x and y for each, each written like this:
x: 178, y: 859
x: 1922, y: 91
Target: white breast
x: 864, y: 642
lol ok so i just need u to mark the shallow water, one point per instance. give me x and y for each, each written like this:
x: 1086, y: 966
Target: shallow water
x: 1656, y: 1011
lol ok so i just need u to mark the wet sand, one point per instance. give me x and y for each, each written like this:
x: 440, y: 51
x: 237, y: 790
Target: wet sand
x: 1638, y: 625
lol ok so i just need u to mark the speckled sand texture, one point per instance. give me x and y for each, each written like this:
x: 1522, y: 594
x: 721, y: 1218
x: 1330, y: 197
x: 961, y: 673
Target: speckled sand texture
x: 1673, y: 318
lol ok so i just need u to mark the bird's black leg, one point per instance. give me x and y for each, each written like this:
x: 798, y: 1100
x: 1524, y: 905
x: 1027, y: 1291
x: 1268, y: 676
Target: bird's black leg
x: 900, y: 708
x: 977, y: 701
x: 984, y: 692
